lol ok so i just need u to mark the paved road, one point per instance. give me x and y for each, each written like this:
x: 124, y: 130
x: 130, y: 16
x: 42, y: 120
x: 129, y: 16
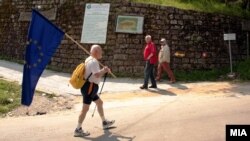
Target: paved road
x: 180, y: 112
x: 168, y: 118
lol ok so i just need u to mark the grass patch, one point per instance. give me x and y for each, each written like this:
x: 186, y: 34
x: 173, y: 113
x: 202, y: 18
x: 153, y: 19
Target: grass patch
x: 7, y: 58
x: 201, y: 75
x: 9, y: 96
x: 243, y: 70
x: 208, y: 6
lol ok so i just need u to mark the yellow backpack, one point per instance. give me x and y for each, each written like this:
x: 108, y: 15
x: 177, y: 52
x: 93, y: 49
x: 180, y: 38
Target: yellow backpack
x: 77, y: 79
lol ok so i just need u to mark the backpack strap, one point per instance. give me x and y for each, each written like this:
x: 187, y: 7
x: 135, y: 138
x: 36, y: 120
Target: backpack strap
x: 89, y: 76
x: 90, y: 84
x: 86, y: 62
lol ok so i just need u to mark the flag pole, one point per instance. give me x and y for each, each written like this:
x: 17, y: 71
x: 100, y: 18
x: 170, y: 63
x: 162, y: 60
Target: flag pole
x: 79, y: 45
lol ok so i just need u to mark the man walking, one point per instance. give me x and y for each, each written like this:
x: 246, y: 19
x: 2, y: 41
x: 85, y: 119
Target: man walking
x: 164, y: 61
x: 150, y: 57
x: 93, y: 75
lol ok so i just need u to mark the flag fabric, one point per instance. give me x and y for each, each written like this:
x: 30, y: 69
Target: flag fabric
x: 43, y: 40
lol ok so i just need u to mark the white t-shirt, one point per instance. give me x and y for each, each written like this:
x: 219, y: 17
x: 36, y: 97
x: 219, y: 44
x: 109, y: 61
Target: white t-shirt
x: 92, y: 66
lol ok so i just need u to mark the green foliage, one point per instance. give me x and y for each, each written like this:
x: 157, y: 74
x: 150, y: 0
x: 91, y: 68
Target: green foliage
x: 243, y: 70
x: 12, y: 59
x: 209, y: 6
x: 9, y: 96
x: 200, y: 75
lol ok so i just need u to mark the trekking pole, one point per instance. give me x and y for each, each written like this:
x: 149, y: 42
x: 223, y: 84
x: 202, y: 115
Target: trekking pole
x: 105, y: 76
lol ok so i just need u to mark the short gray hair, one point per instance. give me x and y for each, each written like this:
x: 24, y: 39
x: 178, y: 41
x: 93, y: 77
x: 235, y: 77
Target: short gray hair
x: 148, y: 36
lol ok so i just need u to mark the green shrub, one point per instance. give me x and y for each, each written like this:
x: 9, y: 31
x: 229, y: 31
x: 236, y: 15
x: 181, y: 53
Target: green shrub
x: 9, y: 96
x: 200, y: 75
x: 210, y: 6
x: 243, y: 70
x: 3, y: 109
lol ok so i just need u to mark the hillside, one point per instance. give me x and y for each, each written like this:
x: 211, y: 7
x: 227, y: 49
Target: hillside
x: 238, y: 8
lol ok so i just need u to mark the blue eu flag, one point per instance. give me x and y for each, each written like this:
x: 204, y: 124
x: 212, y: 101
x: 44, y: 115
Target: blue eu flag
x: 43, y: 40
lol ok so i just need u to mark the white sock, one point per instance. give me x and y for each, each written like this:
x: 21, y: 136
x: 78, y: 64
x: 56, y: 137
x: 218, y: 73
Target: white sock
x: 79, y: 125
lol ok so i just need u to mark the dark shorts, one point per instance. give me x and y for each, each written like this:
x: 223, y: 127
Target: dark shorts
x: 89, y: 94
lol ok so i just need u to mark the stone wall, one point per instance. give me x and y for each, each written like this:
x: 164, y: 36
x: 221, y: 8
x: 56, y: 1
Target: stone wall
x: 188, y: 31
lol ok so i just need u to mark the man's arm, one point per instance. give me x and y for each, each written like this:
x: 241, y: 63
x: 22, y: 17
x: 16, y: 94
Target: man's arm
x: 150, y: 55
x: 96, y: 71
x: 101, y: 72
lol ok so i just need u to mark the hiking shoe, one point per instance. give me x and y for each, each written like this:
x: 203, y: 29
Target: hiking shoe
x: 153, y: 86
x: 80, y: 133
x: 143, y: 87
x: 106, y: 124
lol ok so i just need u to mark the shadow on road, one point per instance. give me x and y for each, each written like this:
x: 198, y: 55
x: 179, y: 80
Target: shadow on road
x: 179, y: 86
x: 109, y: 136
x: 240, y: 88
x: 161, y: 91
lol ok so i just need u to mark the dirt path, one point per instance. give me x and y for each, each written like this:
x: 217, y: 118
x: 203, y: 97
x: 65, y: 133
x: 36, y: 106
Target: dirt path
x: 44, y: 105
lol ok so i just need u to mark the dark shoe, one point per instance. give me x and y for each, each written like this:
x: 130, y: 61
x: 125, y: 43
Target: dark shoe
x: 158, y: 80
x: 144, y: 87
x: 153, y: 86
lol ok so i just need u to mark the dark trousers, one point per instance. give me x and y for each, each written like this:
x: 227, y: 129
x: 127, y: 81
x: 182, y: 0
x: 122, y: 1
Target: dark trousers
x: 149, y: 73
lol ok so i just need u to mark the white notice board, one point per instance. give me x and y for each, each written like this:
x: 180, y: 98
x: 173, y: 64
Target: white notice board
x: 95, y: 23
x: 230, y: 36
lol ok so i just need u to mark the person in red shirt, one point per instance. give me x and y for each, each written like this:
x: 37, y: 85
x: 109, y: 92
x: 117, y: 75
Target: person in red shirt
x: 150, y: 56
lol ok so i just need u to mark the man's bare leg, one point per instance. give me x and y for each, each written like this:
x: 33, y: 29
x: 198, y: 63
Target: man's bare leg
x: 79, y: 132
x: 105, y: 123
x: 85, y: 109
x: 99, y: 104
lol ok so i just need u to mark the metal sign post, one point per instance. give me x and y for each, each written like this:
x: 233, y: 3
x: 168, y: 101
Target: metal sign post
x: 247, y: 45
x: 246, y: 28
x: 230, y: 56
x: 228, y: 37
